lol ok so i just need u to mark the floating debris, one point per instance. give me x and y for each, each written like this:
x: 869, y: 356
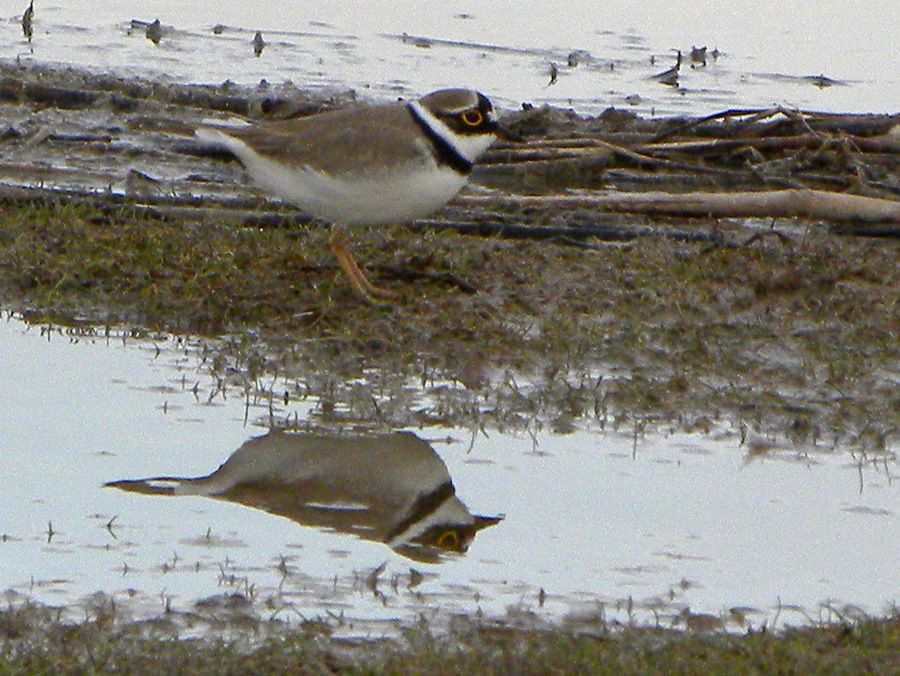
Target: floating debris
x: 554, y: 74
x: 821, y: 81
x: 577, y: 57
x: 670, y: 77
x: 258, y: 44
x: 415, y: 578
x: 422, y: 43
x: 154, y: 32
x: 26, y: 21
x: 698, y: 56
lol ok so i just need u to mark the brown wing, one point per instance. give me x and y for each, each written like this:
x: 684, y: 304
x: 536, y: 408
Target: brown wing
x: 374, y: 137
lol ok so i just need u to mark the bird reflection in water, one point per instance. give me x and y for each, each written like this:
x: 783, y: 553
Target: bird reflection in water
x: 390, y: 488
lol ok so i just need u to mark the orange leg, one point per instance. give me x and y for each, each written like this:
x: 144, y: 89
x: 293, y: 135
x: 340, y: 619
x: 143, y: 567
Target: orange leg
x: 340, y: 245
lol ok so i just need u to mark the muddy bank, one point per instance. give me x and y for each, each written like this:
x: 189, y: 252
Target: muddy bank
x: 796, y: 335
x: 779, y: 323
x: 514, y: 316
x: 32, y: 641
x: 95, y: 133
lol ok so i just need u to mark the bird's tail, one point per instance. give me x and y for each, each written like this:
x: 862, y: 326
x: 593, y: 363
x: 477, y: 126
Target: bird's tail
x: 162, y: 485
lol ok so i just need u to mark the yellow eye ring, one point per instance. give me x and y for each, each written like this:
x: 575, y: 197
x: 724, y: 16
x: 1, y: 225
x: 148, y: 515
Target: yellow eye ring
x: 472, y: 118
x: 448, y: 540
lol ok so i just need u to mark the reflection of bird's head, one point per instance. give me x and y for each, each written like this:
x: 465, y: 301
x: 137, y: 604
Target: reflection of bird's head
x: 440, y: 540
x: 436, y: 524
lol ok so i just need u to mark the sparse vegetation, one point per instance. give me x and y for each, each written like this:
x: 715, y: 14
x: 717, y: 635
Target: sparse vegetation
x: 32, y: 641
x: 796, y: 337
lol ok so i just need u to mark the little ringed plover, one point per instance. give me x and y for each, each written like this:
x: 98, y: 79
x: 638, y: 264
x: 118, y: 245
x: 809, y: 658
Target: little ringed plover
x: 369, y: 165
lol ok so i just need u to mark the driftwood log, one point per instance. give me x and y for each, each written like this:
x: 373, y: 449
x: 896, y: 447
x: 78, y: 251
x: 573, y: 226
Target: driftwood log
x: 815, y: 204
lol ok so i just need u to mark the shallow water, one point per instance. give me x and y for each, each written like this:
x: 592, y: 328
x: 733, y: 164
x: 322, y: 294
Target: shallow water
x: 627, y: 527
x: 772, y: 52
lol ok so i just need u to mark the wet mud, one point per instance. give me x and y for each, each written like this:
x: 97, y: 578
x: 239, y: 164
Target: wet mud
x: 115, y: 213
x: 521, y: 316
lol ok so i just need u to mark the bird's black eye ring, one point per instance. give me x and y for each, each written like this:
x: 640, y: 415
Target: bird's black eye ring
x: 472, y: 118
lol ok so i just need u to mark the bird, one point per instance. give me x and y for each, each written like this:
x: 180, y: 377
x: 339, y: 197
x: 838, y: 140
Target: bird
x: 698, y: 55
x: 367, y: 165
x: 554, y: 74
x: 258, y: 44
x: 27, y: 19
x: 670, y: 76
x: 154, y: 32
x: 391, y: 488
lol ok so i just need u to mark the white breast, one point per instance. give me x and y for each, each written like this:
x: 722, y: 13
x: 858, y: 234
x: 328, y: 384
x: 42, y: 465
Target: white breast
x: 362, y: 198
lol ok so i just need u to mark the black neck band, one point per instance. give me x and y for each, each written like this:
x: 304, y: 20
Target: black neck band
x: 443, y: 151
x: 424, y: 506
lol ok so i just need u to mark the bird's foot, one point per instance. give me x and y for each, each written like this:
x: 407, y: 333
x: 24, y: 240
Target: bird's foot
x: 364, y: 289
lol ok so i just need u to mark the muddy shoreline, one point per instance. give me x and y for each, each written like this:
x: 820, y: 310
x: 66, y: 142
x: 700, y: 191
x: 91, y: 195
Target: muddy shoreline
x: 511, y: 318
x: 32, y: 640
x: 778, y: 323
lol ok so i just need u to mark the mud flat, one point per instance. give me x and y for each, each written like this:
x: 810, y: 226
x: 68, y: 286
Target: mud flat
x: 554, y: 262
x: 32, y: 641
x: 760, y: 297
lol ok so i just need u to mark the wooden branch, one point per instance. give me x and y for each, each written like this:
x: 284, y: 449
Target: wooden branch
x: 565, y: 234
x: 756, y: 114
x: 562, y: 148
x: 729, y: 144
x: 600, y: 153
x: 887, y: 145
x: 818, y: 204
x: 530, y: 153
x: 853, y: 123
